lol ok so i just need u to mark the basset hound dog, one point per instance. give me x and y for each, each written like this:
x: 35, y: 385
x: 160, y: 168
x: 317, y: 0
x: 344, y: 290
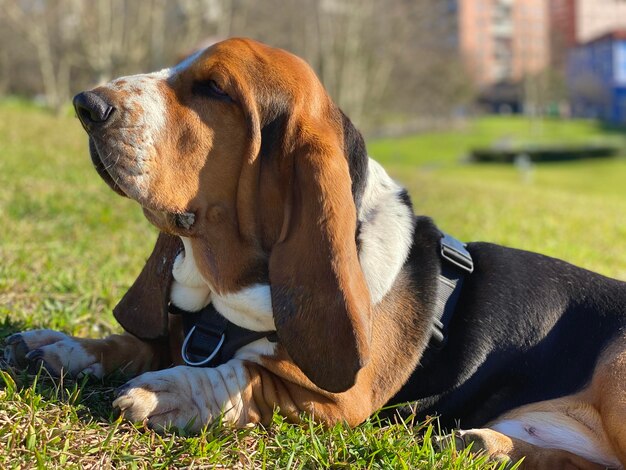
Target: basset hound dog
x: 273, y: 217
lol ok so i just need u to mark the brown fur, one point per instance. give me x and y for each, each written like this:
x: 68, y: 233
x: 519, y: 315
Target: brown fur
x: 299, y: 229
x: 284, y: 385
x: 150, y: 292
x: 506, y: 449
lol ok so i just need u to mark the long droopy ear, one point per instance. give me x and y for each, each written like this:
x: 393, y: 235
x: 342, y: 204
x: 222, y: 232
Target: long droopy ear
x: 143, y: 309
x: 320, y: 299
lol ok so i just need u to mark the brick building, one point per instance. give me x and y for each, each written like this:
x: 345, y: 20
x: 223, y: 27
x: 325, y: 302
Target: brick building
x: 503, y: 40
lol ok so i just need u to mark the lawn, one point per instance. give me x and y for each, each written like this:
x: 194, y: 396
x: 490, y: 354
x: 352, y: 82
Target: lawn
x: 573, y: 210
x: 70, y: 247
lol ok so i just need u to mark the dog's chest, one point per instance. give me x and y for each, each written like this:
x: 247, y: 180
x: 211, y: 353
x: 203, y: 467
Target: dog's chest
x: 250, y: 307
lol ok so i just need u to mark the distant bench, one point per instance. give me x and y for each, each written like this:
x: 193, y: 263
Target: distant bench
x: 547, y: 153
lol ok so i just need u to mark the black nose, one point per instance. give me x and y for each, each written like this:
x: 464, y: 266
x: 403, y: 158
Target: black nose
x: 92, y: 109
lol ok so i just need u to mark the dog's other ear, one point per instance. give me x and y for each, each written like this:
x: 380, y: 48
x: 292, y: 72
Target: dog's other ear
x: 320, y: 298
x: 143, y: 309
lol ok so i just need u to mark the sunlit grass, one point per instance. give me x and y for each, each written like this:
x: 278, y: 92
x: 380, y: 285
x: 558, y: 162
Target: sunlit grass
x: 573, y: 210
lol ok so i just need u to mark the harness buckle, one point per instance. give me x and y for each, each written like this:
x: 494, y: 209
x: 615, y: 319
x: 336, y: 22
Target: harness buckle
x: 454, y: 252
x: 185, y: 354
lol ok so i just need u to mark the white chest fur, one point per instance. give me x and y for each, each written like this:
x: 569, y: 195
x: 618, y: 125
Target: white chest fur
x: 250, y: 308
x: 189, y: 290
x: 386, y: 235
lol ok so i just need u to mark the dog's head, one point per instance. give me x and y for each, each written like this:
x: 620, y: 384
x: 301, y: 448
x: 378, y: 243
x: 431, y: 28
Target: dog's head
x: 240, y: 149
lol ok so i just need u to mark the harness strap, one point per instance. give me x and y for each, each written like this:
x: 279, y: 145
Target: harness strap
x: 210, y: 339
x: 456, y: 264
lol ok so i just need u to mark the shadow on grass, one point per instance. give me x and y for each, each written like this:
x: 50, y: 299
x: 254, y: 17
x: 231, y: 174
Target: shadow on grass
x: 8, y: 327
x: 91, y: 397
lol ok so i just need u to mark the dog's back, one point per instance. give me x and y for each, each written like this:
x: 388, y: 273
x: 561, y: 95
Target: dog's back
x: 526, y: 328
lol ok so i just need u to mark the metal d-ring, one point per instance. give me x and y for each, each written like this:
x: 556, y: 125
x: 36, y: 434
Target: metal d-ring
x: 188, y: 361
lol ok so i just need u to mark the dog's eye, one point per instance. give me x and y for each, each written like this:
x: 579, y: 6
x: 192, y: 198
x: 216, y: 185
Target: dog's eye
x: 210, y: 88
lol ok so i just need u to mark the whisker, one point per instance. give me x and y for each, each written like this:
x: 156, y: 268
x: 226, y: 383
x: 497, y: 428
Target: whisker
x: 114, y: 163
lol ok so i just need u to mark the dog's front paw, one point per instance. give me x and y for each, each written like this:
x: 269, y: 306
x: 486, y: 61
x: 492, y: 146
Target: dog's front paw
x: 186, y: 397
x: 55, y: 351
x: 162, y: 400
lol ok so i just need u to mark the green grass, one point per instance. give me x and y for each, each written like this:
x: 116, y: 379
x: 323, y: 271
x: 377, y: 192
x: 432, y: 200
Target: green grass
x: 70, y: 248
x: 573, y: 210
x: 439, y: 148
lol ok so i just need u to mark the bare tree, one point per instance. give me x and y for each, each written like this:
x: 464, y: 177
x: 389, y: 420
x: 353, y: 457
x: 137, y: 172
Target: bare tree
x: 49, y: 27
x: 376, y: 58
x: 379, y: 59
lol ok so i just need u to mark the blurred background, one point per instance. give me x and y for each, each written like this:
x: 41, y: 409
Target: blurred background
x: 504, y: 118
x: 393, y: 65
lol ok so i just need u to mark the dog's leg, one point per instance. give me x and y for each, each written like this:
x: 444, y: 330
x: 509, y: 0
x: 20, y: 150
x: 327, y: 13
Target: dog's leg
x: 563, y: 432
x: 608, y: 391
x: 60, y: 353
x: 239, y: 393
x: 613, y: 409
x: 500, y: 447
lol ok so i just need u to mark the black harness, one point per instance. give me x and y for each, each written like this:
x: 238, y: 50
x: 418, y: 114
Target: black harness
x: 456, y: 264
x: 211, y: 340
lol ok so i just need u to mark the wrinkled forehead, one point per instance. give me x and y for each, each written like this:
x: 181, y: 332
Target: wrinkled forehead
x: 234, y: 60
x: 255, y: 75
x: 258, y: 65
x: 141, y: 83
x: 218, y: 59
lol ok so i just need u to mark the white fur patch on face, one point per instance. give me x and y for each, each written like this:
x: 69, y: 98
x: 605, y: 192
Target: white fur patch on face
x: 386, y: 235
x: 130, y: 150
x: 558, y: 431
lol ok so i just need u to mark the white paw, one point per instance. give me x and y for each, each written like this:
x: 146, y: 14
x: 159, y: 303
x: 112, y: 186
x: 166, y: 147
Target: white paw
x: 184, y: 397
x: 57, y: 352
x: 161, y: 399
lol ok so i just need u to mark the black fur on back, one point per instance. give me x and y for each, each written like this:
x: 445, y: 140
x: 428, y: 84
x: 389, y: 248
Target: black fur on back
x: 356, y: 153
x: 527, y: 328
